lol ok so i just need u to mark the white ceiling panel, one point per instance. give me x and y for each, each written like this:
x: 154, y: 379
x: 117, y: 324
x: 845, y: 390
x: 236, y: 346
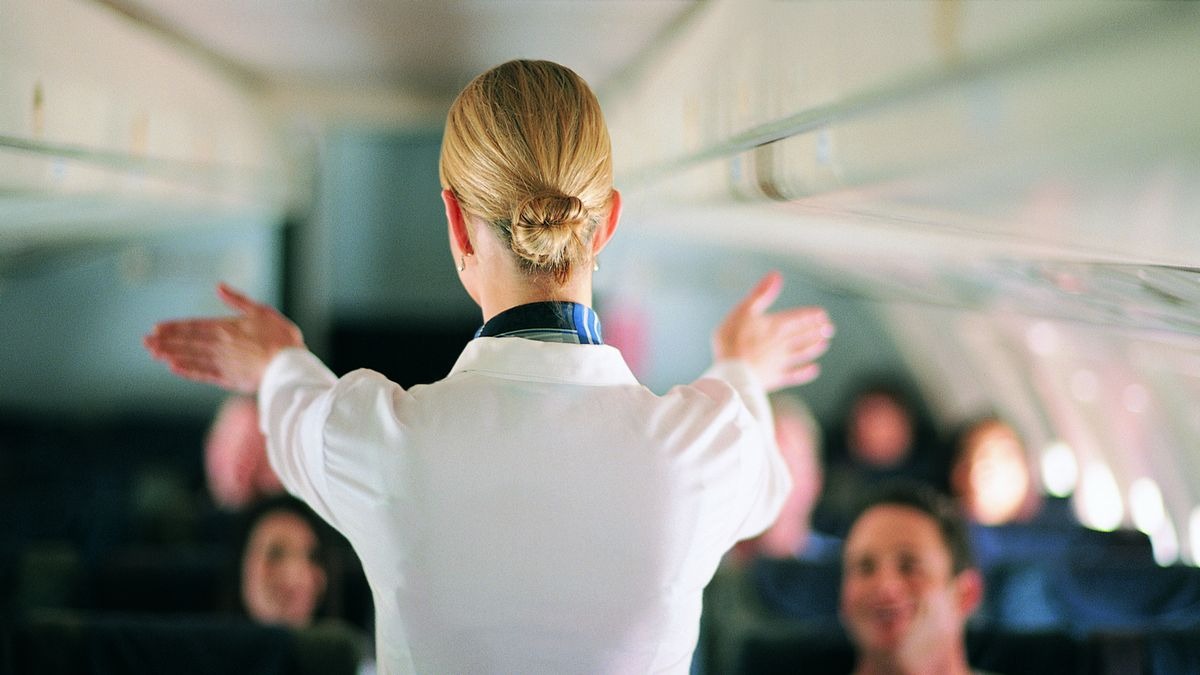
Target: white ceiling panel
x: 421, y: 47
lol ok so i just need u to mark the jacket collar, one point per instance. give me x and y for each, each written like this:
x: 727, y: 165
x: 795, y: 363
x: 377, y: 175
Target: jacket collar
x: 550, y: 321
x: 518, y: 359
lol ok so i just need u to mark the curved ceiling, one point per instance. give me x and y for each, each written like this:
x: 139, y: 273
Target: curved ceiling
x: 421, y: 48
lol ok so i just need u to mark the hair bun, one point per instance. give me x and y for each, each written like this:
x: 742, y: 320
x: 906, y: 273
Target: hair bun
x: 547, y: 227
x: 549, y: 209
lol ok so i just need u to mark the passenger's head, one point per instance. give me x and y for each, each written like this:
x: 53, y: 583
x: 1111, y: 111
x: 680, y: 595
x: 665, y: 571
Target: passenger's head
x: 881, y: 426
x: 282, y: 571
x: 235, y: 456
x: 526, y: 151
x: 909, y: 582
x: 990, y: 475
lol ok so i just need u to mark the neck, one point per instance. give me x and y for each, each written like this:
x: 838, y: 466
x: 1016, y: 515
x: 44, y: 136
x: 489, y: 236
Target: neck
x: 511, y: 287
x: 495, y: 281
x: 946, y: 663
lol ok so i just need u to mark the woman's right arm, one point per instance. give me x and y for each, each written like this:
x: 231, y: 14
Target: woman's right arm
x: 259, y: 348
x: 231, y: 352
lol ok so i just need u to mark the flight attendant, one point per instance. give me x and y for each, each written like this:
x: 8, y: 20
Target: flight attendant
x: 538, y: 510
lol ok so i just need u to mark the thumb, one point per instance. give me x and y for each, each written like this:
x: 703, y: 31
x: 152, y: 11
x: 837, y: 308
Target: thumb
x: 235, y: 300
x: 763, y: 294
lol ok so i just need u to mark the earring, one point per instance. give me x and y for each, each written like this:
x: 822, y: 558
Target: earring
x: 596, y: 264
x: 462, y: 263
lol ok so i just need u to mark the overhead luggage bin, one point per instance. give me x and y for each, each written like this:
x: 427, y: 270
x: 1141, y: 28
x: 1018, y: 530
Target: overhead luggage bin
x: 109, y: 127
x: 1060, y: 129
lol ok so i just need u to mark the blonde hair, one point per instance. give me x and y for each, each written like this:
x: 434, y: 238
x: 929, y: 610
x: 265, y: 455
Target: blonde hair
x: 526, y: 149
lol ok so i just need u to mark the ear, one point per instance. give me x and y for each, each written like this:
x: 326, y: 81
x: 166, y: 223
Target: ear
x: 460, y: 239
x: 606, y: 230
x: 969, y: 588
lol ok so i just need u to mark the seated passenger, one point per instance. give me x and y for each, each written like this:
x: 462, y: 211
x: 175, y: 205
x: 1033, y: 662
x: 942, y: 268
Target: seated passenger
x: 235, y: 456
x: 283, y: 574
x: 282, y: 579
x: 884, y: 436
x: 990, y: 476
x: 909, y: 584
x: 792, y: 535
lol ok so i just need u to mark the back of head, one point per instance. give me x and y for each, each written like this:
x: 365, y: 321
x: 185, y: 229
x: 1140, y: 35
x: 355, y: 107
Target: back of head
x: 527, y: 151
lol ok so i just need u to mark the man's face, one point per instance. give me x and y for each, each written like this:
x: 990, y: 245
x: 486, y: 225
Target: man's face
x: 900, y: 597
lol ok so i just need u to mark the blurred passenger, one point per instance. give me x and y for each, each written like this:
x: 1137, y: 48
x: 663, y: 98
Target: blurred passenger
x: 884, y: 435
x: 235, y: 456
x: 909, y: 584
x: 282, y: 571
x: 792, y: 535
x: 990, y: 475
x: 282, y: 578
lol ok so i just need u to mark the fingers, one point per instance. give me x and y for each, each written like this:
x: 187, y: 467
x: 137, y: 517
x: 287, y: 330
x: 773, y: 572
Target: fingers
x: 794, y: 340
x: 186, y: 339
x: 183, y: 354
x: 193, y: 330
x: 232, y: 351
x: 201, y: 364
x: 197, y: 373
x: 804, y: 349
x: 805, y: 330
x: 812, y: 320
x: 801, y: 375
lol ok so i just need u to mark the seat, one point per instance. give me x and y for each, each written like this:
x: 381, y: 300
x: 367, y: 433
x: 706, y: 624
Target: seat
x: 1017, y: 598
x: 799, y: 590
x: 1168, y: 652
x: 162, y: 580
x: 1018, y: 544
x: 1040, y: 652
x: 810, y: 651
x: 1104, y: 597
x: 108, y: 644
x: 761, y: 602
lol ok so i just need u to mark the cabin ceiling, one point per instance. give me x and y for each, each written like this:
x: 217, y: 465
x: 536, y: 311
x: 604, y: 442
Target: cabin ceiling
x: 428, y: 48
x: 976, y: 137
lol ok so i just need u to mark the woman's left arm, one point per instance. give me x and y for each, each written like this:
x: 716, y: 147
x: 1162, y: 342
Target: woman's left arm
x: 780, y: 347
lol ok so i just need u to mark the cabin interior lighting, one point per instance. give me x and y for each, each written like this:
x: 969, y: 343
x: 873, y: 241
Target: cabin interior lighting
x: 1060, y: 470
x: 1042, y: 338
x: 1084, y: 385
x: 1136, y: 398
x: 1165, y: 543
x: 1194, y: 535
x: 1146, y: 505
x: 1101, y: 508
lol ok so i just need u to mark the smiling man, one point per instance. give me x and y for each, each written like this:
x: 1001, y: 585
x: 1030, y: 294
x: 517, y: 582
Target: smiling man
x: 909, y: 584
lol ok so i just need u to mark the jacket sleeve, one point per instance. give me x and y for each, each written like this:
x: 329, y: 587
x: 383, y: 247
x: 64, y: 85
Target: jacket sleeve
x: 765, y: 479
x: 294, y: 400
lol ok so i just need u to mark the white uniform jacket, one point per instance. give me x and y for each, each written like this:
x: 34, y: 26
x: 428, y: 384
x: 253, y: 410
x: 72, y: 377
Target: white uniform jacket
x: 536, y: 511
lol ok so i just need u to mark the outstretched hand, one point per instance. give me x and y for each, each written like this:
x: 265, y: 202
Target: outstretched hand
x: 781, y: 347
x: 231, y: 352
